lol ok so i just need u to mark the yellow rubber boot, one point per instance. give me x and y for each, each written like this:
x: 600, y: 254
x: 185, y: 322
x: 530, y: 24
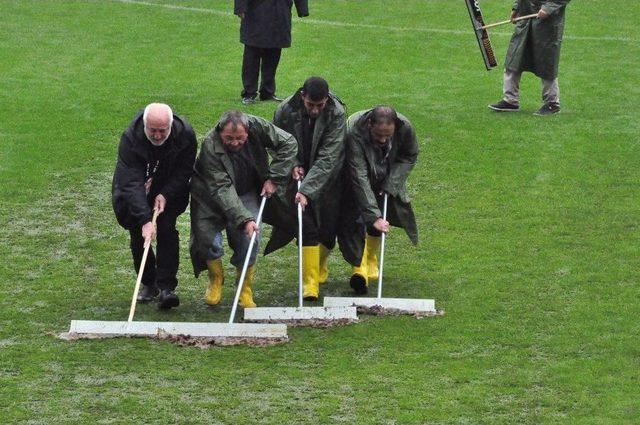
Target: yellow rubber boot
x: 373, y: 247
x: 246, y: 294
x: 360, y: 277
x: 213, y: 294
x: 323, y: 271
x: 310, y: 268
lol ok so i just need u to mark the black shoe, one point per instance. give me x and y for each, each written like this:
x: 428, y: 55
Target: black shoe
x: 248, y: 100
x: 359, y: 284
x: 504, y: 106
x: 168, y: 299
x: 272, y: 98
x: 147, y: 294
x: 548, y: 109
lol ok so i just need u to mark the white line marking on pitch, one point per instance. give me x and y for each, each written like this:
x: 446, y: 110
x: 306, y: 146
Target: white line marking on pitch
x: 368, y: 26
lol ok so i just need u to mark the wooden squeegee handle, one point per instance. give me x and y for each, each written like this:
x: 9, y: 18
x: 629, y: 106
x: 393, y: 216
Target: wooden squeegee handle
x: 147, y: 245
x: 519, y: 18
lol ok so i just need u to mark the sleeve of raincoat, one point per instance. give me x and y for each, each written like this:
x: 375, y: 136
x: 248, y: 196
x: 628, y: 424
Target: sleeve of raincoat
x: 218, y: 183
x: 329, y: 156
x: 302, y: 6
x: 552, y: 6
x: 283, y: 148
x: 403, y: 163
x: 129, y: 176
x: 358, y: 171
x: 178, y: 183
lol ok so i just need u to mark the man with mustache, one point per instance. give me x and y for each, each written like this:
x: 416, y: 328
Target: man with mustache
x: 232, y: 172
x: 155, y: 163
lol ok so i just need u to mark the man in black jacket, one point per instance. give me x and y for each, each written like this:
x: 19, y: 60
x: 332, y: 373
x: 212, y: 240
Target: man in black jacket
x: 265, y: 29
x: 155, y: 163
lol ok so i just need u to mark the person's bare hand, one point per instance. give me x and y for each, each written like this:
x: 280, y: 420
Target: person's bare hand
x: 514, y: 15
x: 160, y: 203
x: 302, y: 200
x: 268, y: 188
x: 250, y: 227
x: 381, y: 225
x: 148, y: 232
x: 297, y: 173
x: 542, y: 14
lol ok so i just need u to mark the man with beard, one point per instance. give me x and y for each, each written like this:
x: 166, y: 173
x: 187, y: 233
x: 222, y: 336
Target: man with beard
x: 381, y: 152
x: 155, y: 163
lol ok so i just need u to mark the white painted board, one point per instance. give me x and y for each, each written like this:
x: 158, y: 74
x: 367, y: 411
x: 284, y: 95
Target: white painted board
x: 257, y: 330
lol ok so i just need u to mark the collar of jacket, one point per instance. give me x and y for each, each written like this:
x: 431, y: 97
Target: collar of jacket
x: 218, y: 149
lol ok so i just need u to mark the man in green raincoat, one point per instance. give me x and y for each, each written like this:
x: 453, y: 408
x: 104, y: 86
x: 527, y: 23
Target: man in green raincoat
x: 317, y: 118
x: 231, y: 173
x: 534, y: 47
x: 382, y: 149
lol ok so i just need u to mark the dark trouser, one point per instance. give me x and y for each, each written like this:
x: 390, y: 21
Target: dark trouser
x: 259, y: 60
x: 160, y: 269
x: 238, y: 240
x: 310, y: 231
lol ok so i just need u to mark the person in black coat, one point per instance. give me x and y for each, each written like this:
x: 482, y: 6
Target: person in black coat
x: 155, y: 163
x: 265, y: 29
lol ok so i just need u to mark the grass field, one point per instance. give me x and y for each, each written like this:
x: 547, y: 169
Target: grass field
x: 529, y: 226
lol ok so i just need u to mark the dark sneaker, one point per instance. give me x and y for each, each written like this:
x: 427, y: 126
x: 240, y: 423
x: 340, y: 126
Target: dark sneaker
x: 273, y: 98
x: 168, y: 299
x: 548, y: 109
x: 147, y: 294
x: 358, y: 284
x: 248, y: 100
x: 504, y: 106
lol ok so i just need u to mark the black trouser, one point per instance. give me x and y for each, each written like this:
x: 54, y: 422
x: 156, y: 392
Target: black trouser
x: 259, y: 60
x: 310, y: 231
x: 160, y: 269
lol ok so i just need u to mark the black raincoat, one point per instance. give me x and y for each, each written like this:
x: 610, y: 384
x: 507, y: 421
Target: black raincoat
x: 136, y: 164
x: 267, y: 23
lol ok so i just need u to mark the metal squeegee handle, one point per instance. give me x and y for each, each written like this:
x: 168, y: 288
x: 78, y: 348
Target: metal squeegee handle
x: 384, y: 217
x: 245, y: 266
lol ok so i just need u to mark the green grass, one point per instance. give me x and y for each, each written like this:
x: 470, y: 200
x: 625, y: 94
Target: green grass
x: 529, y: 226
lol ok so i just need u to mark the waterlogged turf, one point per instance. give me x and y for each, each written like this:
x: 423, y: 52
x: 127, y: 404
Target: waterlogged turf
x: 529, y: 235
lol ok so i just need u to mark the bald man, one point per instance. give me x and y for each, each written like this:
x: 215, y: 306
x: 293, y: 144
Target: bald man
x: 381, y: 151
x: 155, y: 163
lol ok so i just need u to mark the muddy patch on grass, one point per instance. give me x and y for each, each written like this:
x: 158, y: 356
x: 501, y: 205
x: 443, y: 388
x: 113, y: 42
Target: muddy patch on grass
x: 186, y: 340
x: 376, y: 310
x: 208, y: 342
x: 309, y: 323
